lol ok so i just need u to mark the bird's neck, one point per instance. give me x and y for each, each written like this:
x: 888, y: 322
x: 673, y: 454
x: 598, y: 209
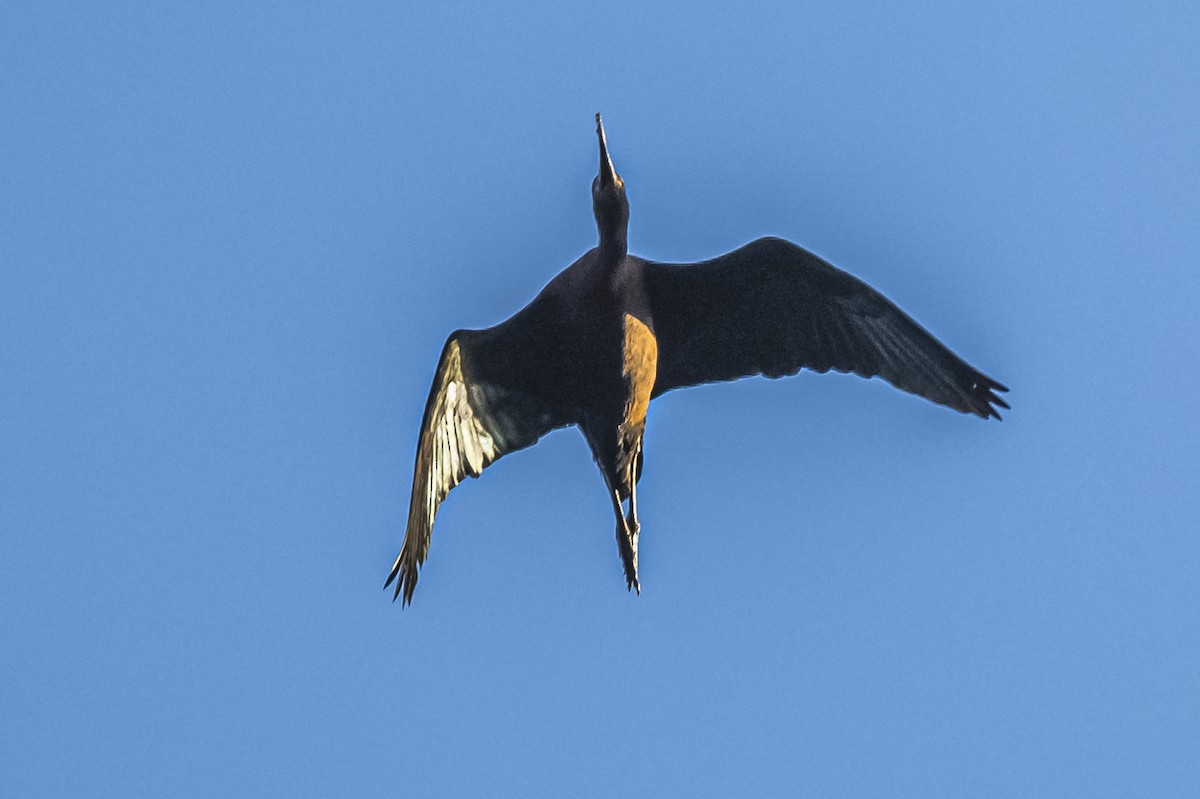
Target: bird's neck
x: 613, y: 245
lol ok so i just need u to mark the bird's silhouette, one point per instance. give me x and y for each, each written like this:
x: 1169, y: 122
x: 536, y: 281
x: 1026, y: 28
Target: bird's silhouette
x: 613, y: 331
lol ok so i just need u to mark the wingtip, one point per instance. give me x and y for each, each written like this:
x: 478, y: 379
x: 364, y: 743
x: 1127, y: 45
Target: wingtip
x: 985, y: 399
x: 396, y: 592
x: 988, y: 411
x: 404, y: 580
x: 404, y: 587
x: 996, y: 399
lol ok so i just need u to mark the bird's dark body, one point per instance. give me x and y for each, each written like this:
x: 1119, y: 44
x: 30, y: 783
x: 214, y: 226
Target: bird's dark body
x: 612, y: 331
x: 571, y: 345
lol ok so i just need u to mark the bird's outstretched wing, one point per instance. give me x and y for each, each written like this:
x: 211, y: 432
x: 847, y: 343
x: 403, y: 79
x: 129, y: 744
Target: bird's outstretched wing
x: 475, y: 414
x: 773, y: 308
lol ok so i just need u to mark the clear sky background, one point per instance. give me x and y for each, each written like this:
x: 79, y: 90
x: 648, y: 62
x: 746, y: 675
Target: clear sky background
x: 233, y: 238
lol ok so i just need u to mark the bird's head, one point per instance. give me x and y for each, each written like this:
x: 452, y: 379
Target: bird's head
x: 608, y: 197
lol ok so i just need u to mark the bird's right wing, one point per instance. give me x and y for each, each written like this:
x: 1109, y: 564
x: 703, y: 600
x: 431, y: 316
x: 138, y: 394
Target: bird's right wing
x: 773, y: 308
x: 474, y: 415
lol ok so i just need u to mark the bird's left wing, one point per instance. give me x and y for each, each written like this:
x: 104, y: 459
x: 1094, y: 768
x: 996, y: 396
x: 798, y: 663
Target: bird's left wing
x: 475, y: 414
x: 773, y: 308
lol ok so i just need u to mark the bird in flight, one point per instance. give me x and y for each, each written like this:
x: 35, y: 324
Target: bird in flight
x: 613, y: 331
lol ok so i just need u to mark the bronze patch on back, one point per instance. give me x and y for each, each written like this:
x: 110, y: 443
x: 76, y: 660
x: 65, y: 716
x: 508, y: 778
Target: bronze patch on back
x: 640, y: 367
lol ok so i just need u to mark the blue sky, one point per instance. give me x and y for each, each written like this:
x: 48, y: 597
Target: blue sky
x: 233, y: 240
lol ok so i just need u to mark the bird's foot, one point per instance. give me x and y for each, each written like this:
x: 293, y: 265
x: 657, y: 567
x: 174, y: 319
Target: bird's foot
x: 627, y: 546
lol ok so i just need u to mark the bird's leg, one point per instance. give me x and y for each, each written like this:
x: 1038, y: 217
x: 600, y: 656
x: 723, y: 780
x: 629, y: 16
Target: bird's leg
x: 627, y: 553
x: 631, y: 522
x: 626, y: 544
x: 633, y: 471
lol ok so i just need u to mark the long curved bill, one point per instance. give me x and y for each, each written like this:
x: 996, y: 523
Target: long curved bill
x: 608, y: 173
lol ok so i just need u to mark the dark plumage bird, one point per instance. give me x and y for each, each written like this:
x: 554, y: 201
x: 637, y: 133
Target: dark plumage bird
x: 613, y: 331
